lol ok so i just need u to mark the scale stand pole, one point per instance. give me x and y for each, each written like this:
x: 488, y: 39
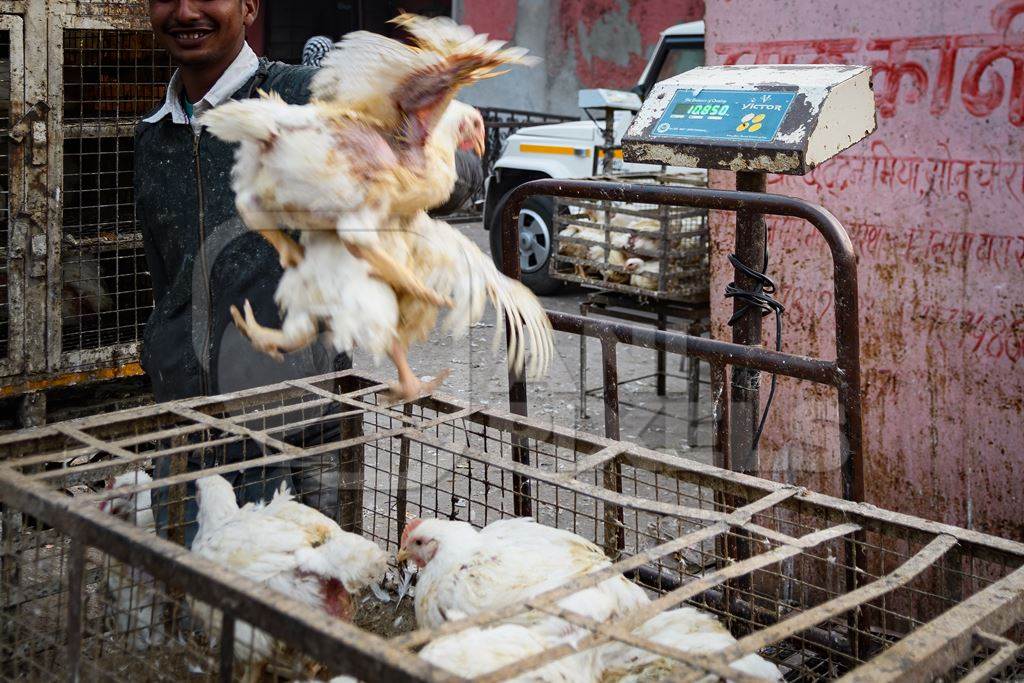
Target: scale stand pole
x: 609, y: 140
x: 745, y: 410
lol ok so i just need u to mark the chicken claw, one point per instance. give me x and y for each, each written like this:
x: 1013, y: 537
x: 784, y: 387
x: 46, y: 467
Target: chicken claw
x: 274, y: 343
x: 409, y: 386
x: 409, y: 389
x: 262, y: 338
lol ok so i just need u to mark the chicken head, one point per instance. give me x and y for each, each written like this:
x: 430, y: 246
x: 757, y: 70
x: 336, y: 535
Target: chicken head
x: 472, y: 131
x: 418, y: 546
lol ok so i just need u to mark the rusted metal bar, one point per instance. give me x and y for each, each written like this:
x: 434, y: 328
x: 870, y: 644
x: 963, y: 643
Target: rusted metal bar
x: 517, y: 401
x: 591, y: 461
x: 401, y: 492
x: 692, y: 400
x: 73, y: 630
x: 177, y: 493
x: 522, y: 501
x: 933, y: 649
x: 614, y: 532
x: 720, y: 416
x: 661, y: 363
x: 226, y: 671
x: 709, y: 350
x: 750, y: 247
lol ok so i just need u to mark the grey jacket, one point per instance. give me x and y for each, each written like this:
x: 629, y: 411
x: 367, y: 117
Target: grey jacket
x: 203, y: 259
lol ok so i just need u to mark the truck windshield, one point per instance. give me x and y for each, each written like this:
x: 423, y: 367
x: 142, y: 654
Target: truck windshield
x: 680, y: 59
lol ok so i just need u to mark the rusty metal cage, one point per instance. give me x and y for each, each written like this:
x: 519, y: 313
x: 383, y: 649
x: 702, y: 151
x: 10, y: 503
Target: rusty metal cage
x: 652, y: 251
x: 75, y: 293
x: 86, y: 593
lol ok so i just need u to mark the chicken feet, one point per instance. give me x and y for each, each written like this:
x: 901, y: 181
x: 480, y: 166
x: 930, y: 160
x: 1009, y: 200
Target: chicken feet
x: 409, y: 386
x: 274, y: 343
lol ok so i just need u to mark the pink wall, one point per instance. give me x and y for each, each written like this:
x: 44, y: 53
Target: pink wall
x: 934, y: 202
x: 585, y: 25
x: 582, y: 44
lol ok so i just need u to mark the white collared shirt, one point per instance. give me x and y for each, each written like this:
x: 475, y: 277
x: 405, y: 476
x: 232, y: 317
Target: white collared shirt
x: 238, y: 74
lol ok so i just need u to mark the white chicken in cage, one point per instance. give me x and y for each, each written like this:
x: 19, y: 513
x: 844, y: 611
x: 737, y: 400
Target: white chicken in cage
x: 685, y: 629
x: 477, y: 651
x: 135, y: 606
x: 286, y: 546
x: 643, y: 273
x: 468, y: 571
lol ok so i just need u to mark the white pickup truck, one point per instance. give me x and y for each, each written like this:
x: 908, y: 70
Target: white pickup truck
x: 567, y: 150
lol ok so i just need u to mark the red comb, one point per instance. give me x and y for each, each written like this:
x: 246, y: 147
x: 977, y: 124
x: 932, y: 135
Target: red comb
x: 409, y: 526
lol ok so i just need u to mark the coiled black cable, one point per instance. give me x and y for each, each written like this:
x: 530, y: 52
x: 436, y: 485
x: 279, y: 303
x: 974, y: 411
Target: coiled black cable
x: 759, y: 298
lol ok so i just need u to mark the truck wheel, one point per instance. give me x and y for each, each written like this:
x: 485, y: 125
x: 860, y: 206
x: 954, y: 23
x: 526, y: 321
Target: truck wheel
x: 536, y: 229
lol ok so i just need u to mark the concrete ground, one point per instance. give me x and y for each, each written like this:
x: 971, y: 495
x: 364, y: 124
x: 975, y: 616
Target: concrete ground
x: 479, y: 376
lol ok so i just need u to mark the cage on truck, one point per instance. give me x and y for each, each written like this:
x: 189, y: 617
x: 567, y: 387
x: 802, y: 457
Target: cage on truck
x: 570, y: 150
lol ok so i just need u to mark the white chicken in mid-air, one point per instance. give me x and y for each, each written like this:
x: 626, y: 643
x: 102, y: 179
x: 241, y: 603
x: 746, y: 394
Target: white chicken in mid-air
x: 354, y: 171
x: 135, y: 605
x: 289, y: 547
x: 467, y: 571
x: 686, y: 629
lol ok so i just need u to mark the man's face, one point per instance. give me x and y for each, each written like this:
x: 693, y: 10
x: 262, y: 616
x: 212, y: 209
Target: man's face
x: 201, y: 32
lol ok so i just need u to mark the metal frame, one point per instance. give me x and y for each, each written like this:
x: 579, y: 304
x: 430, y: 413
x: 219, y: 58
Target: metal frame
x: 943, y: 639
x: 843, y: 374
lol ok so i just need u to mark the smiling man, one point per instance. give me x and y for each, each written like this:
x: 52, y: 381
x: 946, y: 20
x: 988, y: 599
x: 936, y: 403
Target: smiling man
x: 201, y: 256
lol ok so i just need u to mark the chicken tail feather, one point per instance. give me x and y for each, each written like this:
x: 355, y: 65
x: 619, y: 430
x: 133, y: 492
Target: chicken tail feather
x: 472, y: 281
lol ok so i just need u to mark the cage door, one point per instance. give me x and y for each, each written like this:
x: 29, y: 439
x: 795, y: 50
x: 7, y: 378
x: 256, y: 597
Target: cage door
x: 113, y: 73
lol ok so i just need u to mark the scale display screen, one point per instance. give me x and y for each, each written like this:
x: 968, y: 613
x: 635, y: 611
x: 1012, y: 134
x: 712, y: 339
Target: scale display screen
x: 725, y: 115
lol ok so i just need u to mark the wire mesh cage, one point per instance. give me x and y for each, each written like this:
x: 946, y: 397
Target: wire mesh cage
x: 75, y: 78
x: 111, y: 78
x: 820, y: 587
x: 654, y: 251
